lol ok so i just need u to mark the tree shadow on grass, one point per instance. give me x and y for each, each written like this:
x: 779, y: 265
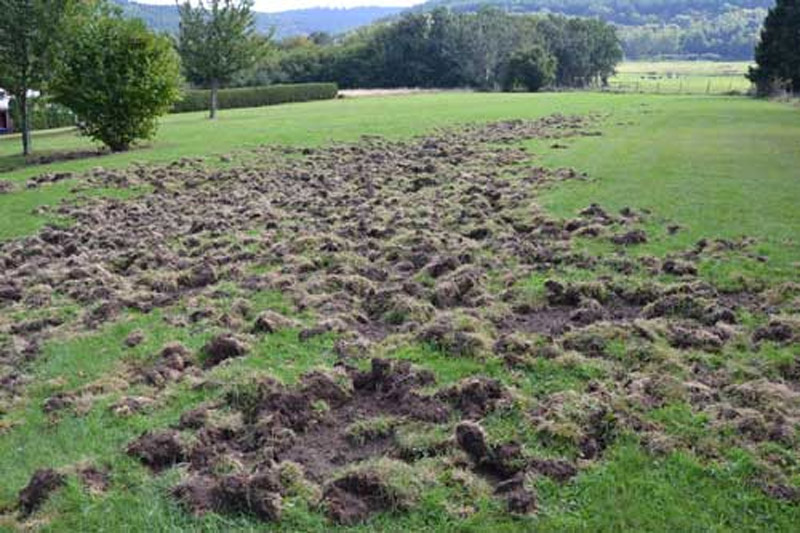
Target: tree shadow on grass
x: 15, y: 162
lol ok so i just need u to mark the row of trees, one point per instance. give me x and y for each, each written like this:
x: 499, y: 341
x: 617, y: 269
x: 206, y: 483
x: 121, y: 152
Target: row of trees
x: 118, y: 77
x: 113, y: 73
x: 484, y: 50
x: 621, y: 12
x: 731, y: 35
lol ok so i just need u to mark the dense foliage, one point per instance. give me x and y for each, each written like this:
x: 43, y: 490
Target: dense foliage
x: 31, y: 33
x: 731, y: 35
x: 652, y: 28
x: 647, y: 28
x: 217, y: 41
x: 117, y: 77
x: 626, y: 12
x: 446, y: 49
x: 778, y: 53
x: 531, y: 69
x: 197, y: 100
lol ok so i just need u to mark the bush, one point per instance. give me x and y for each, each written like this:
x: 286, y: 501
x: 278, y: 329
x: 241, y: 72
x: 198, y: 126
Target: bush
x: 198, y: 100
x: 117, y: 77
x: 44, y: 115
x: 530, y: 69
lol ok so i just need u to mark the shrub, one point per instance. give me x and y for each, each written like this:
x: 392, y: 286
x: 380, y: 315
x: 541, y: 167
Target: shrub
x: 530, y: 69
x: 197, y: 100
x: 118, y: 77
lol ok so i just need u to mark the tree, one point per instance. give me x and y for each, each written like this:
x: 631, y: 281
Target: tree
x: 532, y: 69
x: 486, y: 38
x: 31, y: 32
x: 118, y: 78
x: 216, y: 42
x: 778, y: 52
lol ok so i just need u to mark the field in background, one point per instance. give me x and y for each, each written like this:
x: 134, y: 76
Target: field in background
x: 681, y: 77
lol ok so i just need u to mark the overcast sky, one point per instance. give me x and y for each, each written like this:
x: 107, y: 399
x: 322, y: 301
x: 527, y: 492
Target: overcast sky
x: 285, y: 5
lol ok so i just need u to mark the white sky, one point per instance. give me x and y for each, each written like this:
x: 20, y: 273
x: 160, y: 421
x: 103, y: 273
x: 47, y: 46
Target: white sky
x: 285, y: 5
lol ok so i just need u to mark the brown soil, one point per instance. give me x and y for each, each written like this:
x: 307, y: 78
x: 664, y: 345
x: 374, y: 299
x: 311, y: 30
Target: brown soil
x: 430, y: 241
x: 43, y: 482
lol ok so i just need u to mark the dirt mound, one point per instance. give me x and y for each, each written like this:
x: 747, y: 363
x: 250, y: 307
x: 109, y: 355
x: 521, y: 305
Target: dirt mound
x: 173, y: 360
x: 475, y: 397
x: 458, y: 339
x: 223, y: 347
x: 503, y: 464
x: 353, y: 498
x: 310, y: 425
x: 270, y: 322
x: 43, y: 482
x: 776, y: 331
x: 158, y: 450
x: 96, y: 480
x: 690, y: 306
x: 257, y: 494
x: 630, y: 238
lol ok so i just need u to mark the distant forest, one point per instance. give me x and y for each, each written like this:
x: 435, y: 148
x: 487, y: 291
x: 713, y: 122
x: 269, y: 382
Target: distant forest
x: 285, y: 24
x: 702, y: 29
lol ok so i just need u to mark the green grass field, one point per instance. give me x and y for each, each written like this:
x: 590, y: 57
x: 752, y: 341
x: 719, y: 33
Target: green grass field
x: 720, y: 167
x: 654, y: 150
x: 681, y: 77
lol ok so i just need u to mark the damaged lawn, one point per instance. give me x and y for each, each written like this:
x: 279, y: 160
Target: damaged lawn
x: 386, y: 335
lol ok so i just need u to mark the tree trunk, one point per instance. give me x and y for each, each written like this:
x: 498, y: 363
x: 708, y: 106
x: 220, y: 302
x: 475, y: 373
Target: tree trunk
x: 26, y: 125
x: 214, y: 90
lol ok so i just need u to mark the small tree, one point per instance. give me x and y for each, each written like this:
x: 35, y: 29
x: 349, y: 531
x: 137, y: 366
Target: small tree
x: 118, y: 78
x: 31, y: 32
x: 778, y: 52
x: 216, y: 42
x: 531, y: 68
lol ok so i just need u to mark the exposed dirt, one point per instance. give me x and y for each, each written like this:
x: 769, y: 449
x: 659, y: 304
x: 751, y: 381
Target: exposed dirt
x: 430, y: 241
x: 43, y: 482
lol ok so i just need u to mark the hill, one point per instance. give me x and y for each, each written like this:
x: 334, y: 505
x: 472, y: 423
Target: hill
x: 708, y: 29
x: 287, y: 23
x: 623, y: 12
x: 711, y: 29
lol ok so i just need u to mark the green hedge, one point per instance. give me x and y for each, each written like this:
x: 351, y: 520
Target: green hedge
x: 44, y: 115
x: 198, y: 100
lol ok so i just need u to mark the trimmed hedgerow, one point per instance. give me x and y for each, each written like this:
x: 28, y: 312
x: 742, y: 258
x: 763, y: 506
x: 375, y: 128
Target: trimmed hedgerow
x: 198, y: 100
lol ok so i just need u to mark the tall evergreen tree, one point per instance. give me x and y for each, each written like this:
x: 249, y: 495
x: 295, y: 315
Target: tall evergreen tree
x: 778, y: 53
x: 216, y: 41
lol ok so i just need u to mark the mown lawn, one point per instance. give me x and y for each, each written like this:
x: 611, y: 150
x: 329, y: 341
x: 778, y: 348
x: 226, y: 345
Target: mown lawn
x: 718, y: 167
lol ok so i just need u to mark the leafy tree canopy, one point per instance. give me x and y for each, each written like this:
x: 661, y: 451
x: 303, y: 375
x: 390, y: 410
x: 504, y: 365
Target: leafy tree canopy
x: 118, y: 78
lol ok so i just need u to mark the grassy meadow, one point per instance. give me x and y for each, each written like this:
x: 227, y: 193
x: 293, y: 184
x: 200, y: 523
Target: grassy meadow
x: 718, y: 167
x: 682, y: 77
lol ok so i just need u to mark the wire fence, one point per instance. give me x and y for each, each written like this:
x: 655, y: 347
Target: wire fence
x: 681, y: 85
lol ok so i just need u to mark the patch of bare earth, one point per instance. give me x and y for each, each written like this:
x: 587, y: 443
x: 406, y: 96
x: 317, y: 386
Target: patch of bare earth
x: 429, y: 241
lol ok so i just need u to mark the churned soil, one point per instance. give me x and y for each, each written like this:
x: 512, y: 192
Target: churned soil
x: 433, y: 240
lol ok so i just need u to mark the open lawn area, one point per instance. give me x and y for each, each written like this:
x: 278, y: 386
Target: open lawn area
x: 509, y: 312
